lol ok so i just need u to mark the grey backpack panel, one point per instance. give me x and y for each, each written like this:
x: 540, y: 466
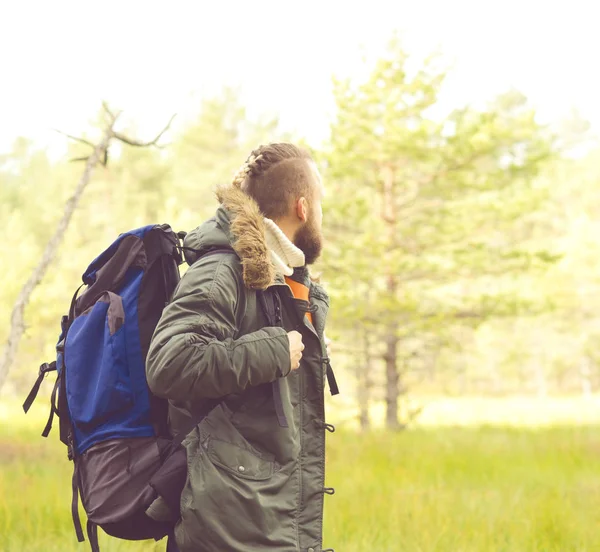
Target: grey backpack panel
x: 115, y: 475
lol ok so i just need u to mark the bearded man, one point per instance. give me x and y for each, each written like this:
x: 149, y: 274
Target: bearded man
x: 243, y: 339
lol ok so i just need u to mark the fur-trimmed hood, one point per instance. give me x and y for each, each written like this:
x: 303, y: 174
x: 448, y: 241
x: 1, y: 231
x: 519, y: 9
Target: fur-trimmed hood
x: 239, y: 224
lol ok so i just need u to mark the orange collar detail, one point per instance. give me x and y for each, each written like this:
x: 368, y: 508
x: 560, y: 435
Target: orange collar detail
x: 299, y: 291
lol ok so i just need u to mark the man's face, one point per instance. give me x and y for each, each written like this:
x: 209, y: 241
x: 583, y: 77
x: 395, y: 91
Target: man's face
x: 309, y: 237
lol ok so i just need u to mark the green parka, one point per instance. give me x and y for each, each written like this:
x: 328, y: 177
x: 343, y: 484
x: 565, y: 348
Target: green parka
x: 253, y: 483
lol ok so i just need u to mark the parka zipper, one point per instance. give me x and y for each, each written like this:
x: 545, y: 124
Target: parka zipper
x: 321, y: 387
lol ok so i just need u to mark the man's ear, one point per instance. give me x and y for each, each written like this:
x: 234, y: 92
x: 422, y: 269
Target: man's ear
x: 302, y: 209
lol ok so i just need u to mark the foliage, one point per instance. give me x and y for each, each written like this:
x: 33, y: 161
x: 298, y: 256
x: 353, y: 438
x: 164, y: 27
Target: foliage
x: 488, y: 244
x: 425, y: 207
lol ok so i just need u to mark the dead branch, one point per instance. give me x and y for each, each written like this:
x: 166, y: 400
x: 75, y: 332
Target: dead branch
x: 109, y: 128
x: 139, y: 144
x: 108, y: 111
x: 17, y: 326
x: 75, y: 138
x: 99, y: 155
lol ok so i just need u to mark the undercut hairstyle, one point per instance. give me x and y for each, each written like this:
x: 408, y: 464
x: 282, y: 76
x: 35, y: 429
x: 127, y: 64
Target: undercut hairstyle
x: 275, y: 175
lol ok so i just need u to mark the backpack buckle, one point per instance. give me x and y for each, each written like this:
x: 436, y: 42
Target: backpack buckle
x: 45, y: 368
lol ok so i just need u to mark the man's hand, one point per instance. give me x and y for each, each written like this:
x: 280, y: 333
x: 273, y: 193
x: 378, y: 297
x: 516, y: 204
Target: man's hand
x: 296, y: 348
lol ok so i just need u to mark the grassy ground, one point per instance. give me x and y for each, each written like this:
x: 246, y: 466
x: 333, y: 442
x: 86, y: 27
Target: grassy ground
x: 430, y: 489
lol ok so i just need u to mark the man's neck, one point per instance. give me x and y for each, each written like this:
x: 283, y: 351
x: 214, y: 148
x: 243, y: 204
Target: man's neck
x: 287, y: 228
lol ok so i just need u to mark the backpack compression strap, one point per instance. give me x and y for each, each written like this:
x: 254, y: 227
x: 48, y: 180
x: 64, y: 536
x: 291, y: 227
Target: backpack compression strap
x: 271, y: 305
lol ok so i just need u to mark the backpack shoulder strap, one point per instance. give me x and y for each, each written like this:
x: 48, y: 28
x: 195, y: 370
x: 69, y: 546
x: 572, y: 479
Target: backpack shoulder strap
x: 204, y: 254
x: 270, y: 303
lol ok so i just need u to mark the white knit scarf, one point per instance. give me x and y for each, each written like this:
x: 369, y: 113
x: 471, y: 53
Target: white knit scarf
x: 285, y: 255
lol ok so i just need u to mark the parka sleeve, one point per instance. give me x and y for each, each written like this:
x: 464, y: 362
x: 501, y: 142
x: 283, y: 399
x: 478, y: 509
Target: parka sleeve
x: 193, y: 353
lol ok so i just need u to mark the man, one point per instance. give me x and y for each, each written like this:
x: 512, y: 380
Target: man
x: 245, y: 331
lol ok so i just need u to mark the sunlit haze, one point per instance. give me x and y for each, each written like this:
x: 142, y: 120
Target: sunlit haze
x: 61, y: 58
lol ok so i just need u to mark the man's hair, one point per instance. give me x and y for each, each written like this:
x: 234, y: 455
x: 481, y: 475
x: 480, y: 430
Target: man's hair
x: 275, y: 175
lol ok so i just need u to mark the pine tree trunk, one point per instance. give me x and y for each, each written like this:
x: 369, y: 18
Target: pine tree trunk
x: 392, y: 379
x: 364, y: 383
x: 391, y: 338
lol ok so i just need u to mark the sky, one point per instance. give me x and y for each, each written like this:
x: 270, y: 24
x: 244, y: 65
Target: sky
x: 60, y: 59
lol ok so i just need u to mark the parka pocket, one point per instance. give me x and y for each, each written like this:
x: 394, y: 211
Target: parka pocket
x: 226, y: 470
x: 227, y: 448
x: 239, y: 461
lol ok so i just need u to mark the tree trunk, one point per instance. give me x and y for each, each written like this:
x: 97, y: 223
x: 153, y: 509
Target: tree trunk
x: 365, y: 383
x: 392, y: 379
x: 99, y: 155
x: 391, y: 338
x: 17, y: 321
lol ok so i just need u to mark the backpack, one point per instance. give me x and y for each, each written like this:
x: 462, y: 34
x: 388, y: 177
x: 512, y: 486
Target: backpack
x: 115, y: 429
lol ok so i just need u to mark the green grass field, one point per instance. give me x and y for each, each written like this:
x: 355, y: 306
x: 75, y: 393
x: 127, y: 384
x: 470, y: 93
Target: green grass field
x: 429, y: 489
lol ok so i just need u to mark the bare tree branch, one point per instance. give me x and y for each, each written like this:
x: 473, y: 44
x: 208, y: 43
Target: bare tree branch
x: 99, y: 155
x: 17, y: 327
x: 103, y: 161
x: 139, y: 144
x: 112, y: 115
x: 112, y: 119
x: 75, y: 138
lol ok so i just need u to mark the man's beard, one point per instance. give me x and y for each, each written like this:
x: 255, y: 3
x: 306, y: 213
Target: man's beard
x: 310, y: 241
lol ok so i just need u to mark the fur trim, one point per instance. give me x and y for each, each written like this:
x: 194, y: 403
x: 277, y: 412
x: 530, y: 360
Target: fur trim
x: 248, y: 231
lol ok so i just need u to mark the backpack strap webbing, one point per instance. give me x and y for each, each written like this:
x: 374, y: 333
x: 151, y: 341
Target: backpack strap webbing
x: 58, y: 406
x: 75, y: 502
x: 305, y: 306
x: 331, y: 381
x: 271, y: 304
x: 92, y: 533
x: 53, y: 408
x: 43, y: 371
x: 66, y: 427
